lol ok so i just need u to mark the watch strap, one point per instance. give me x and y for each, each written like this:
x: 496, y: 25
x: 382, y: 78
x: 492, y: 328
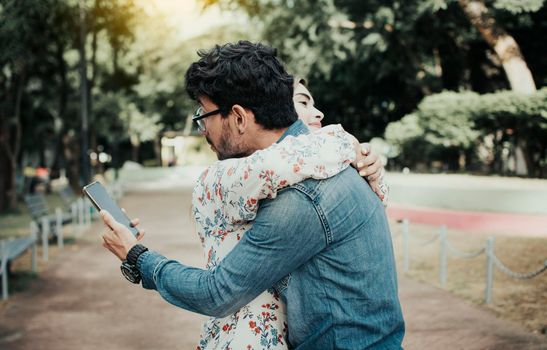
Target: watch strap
x: 134, y: 253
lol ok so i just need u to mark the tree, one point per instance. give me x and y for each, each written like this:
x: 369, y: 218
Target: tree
x: 369, y: 63
x: 17, y: 21
x: 39, y: 81
x: 138, y: 126
x: 519, y: 75
x: 452, y: 127
x: 442, y: 128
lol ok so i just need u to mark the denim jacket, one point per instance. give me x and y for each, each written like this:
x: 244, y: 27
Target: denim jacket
x: 325, y: 245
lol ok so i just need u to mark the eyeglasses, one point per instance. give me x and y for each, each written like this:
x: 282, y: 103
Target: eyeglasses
x: 198, y: 117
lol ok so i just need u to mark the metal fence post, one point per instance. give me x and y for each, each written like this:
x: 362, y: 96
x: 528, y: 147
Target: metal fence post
x: 34, y: 233
x: 87, y: 212
x: 442, y: 256
x: 59, y: 227
x: 74, y: 215
x: 4, y: 269
x: 80, y: 214
x: 405, y: 245
x: 45, y: 238
x: 489, y: 269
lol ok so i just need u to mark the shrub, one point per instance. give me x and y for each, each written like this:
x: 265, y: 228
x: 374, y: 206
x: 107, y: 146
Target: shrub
x: 450, y: 125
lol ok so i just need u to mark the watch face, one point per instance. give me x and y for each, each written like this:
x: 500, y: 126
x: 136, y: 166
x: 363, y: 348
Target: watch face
x: 130, y: 273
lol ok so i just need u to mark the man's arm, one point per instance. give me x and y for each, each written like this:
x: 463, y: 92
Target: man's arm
x: 286, y: 233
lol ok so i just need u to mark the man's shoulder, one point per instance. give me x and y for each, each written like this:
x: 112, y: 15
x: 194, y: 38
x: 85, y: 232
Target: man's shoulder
x: 341, y: 182
x: 346, y: 185
x: 340, y: 192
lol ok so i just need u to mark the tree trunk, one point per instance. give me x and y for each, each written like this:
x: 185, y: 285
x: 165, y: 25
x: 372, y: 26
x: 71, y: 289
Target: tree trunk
x: 5, y: 168
x: 10, y: 145
x: 90, y: 85
x: 515, y: 67
x: 157, y: 149
x: 84, y: 135
x: 63, y: 98
x: 71, y: 148
x: 16, y: 145
x: 4, y: 142
x: 135, y: 146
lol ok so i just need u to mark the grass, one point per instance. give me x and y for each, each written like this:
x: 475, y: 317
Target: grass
x: 20, y: 281
x: 21, y: 276
x: 521, y: 301
x: 17, y: 222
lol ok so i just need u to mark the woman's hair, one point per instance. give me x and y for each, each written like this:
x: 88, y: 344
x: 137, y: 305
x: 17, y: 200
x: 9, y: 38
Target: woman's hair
x: 247, y: 74
x: 300, y: 80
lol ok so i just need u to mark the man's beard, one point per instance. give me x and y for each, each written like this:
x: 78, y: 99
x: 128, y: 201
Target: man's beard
x: 227, y: 148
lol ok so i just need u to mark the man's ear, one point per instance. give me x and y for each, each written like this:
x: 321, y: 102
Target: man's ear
x: 243, y: 118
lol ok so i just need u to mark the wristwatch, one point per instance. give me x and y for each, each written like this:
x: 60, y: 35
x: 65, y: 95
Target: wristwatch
x: 129, y: 265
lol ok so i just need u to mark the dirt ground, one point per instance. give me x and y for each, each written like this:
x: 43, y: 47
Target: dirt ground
x: 521, y: 301
x: 79, y: 300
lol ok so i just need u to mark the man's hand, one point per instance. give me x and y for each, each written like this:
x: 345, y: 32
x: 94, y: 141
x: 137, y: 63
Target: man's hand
x: 116, y: 237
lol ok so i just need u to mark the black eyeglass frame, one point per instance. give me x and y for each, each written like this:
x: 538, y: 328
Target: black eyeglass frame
x: 198, y: 117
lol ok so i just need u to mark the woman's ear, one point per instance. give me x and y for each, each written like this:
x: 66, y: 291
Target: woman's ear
x: 242, y: 118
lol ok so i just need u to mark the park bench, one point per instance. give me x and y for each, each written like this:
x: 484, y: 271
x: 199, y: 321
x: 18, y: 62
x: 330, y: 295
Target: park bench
x: 12, y: 248
x: 50, y: 225
x: 73, y: 202
x: 38, y: 208
x: 68, y: 197
x: 76, y: 203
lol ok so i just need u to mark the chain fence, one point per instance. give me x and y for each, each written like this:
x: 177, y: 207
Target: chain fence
x: 429, y: 241
x: 461, y: 254
x: 517, y: 275
x: 445, y: 248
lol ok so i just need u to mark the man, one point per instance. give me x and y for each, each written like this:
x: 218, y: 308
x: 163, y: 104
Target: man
x: 324, y: 244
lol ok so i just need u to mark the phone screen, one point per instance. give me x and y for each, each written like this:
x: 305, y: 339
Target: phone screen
x: 102, y: 201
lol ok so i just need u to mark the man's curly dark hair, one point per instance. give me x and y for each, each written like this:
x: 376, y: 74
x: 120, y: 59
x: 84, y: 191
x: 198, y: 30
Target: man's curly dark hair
x: 248, y: 74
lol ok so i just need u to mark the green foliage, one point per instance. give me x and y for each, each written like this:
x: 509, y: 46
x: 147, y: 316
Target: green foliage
x: 137, y: 125
x: 135, y: 61
x: 447, y: 121
x: 441, y: 121
x: 370, y: 62
x: 519, y: 6
x: 406, y: 130
x: 460, y: 121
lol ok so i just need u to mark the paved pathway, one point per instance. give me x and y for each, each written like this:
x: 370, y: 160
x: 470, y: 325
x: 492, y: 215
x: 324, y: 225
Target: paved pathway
x: 469, y: 193
x: 82, y: 302
x: 436, y: 319
x: 524, y: 225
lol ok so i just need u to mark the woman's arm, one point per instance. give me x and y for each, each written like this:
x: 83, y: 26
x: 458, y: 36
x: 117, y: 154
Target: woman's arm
x: 235, y: 186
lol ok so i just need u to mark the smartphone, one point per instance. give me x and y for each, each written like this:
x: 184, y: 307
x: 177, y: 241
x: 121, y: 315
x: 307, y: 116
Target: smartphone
x: 97, y: 194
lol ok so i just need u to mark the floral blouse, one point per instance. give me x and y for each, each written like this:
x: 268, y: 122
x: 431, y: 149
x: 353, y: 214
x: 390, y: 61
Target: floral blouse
x: 226, y: 199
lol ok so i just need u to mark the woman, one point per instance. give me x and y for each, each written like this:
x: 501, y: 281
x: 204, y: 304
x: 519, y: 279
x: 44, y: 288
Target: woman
x: 226, y: 200
x: 371, y: 166
x: 305, y: 105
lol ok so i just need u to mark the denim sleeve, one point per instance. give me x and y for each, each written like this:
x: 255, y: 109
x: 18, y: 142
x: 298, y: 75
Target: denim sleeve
x: 286, y: 233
